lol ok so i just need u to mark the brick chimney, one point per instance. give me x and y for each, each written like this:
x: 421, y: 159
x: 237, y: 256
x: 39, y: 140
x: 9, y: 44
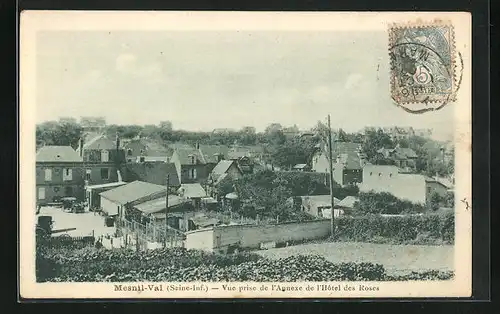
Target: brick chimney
x: 117, y: 152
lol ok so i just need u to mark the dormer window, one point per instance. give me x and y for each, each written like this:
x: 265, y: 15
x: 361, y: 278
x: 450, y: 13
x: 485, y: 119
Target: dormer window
x: 129, y: 152
x: 192, y: 159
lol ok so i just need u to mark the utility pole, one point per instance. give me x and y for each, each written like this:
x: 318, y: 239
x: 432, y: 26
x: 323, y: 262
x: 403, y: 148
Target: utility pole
x: 330, y: 158
x: 166, y: 213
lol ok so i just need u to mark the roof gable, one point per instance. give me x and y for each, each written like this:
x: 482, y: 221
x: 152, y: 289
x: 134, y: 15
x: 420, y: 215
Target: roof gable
x: 57, y: 154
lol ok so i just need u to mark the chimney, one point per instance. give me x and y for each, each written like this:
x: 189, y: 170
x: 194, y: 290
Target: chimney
x: 117, y: 157
x: 80, y: 146
x: 197, y: 145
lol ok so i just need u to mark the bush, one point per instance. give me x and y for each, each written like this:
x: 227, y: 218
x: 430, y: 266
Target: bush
x: 400, y: 229
x: 385, y: 203
x: 181, y: 265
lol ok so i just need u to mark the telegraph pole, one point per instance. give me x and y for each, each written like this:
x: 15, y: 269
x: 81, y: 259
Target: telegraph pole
x: 166, y: 213
x: 330, y: 153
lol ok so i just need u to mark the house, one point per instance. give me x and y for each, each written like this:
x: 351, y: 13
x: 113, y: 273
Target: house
x: 348, y: 160
x: 404, y: 158
x: 301, y: 167
x: 117, y: 201
x: 193, y: 191
x: 412, y: 187
x: 134, y: 149
x: 102, y: 159
x: 224, y: 169
x: 59, y: 173
x: 315, y: 205
x: 243, y: 160
x: 347, y: 204
x: 399, y: 133
x: 152, y: 172
x: 195, y: 163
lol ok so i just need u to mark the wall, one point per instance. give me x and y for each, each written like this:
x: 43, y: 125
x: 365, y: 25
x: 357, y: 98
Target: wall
x: 109, y: 207
x: 320, y: 163
x: 233, y: 171
x: 200, y: 240
x: 411, y: 187
x: 94, y: 155
x: 251, y: 236
x: 136, y: 147
x: 202, y: 172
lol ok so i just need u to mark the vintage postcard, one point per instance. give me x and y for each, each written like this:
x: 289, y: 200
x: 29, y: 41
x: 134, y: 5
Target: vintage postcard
x: 245, y: 155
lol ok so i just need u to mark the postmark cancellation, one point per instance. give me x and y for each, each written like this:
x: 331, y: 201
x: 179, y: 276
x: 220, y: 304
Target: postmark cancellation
x: 423, y: 65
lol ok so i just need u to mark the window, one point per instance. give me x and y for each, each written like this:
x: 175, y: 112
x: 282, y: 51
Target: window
x: 104, y: 156
x: 390, y: 175
x: 104, y: 173
x: 192, y: 173
x: 57, y: 189
x: 67, y: 174
x: 41, y: 193
x: 141, y: 159
x: 192, y: 159
x: 129, y: 152
x: 429, y: 189
x: 379, y: 174
x: 371, y: 173
x: 48, y: 174
x: 88, y: 173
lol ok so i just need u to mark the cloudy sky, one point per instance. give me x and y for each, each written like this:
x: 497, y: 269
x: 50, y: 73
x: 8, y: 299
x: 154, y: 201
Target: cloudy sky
x: 207, y: 80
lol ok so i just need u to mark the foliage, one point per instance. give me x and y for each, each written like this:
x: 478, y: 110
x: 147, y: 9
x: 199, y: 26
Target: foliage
x: 181, y: 265
x: 375, y: 140
x: 385, y: 203
x: 291, y: 152
x: 400, y: 229
x: 58, y: 133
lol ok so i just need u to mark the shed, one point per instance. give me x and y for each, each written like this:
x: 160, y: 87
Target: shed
x: 92, y: 192
x: 113, y: 201
x: 192, y: 190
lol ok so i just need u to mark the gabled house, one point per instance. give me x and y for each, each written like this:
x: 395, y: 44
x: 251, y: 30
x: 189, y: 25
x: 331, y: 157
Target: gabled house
x: 195, y: 163
x: 224, y: 169
x: 404, y: 158
x: 59, y: 173
x: 348, y: 162
x: 102, y: 158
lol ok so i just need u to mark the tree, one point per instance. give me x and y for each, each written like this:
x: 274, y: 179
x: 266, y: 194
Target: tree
x: 292, y: 152
x: 247, y: 135
x: 55, y: 133
x: 435, y: 201
x: 375, y: 140
x: 166, y: 125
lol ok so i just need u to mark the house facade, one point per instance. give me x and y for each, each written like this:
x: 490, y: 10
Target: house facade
x: 102, y: 159
x: 59, y: 173
x: 348, y: 162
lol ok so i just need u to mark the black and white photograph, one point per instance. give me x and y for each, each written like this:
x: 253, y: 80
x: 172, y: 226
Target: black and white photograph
x: 245, y: 155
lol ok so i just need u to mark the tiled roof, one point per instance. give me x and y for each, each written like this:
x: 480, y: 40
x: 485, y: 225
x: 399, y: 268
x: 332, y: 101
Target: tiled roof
x: 184, y: 155
x: 210, y: 152
x: 221, y: 169
x: 132, y: 192
x: 193, y: 190
x: 157, y: 205
x: 100, y: 142
x: 152, y: 172
x: 57, y: 154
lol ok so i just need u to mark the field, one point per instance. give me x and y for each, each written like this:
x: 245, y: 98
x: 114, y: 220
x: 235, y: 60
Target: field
x: 395, y: 258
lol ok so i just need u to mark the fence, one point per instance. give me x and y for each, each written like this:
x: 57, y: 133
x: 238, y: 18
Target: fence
x: 65, y: 241
x: 149, y: 235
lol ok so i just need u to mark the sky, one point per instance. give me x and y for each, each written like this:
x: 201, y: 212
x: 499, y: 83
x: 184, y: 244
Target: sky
x: 228, y: 79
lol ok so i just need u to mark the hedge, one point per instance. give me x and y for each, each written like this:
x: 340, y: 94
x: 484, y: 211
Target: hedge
x: 181, y: 265
x: 415, y: 229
